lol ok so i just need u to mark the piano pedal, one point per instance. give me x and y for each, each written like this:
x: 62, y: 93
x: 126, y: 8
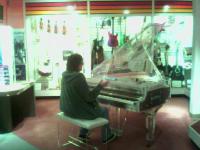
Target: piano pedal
x: 149, y: 143
x: 118, y: 132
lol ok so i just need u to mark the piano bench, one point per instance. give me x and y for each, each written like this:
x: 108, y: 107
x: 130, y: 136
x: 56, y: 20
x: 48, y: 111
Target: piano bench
x: 83, y: 123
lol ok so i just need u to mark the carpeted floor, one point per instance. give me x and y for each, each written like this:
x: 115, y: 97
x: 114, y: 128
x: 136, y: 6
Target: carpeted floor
x: 171, y: 129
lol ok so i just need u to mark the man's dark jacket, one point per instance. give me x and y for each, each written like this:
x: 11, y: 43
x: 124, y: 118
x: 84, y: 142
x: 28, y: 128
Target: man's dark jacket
x: 76, y: 100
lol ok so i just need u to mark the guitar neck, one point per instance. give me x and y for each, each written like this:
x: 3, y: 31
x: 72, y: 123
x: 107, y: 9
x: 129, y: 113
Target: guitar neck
x: 177, y: 53
x: 166, y: 58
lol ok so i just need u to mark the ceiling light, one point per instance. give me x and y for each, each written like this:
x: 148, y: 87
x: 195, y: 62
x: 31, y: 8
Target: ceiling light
x: 166, y: 8
x: 126, y: 12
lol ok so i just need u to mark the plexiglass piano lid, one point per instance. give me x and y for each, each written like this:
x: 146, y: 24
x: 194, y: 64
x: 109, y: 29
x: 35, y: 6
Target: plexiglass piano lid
x: 131, y: 66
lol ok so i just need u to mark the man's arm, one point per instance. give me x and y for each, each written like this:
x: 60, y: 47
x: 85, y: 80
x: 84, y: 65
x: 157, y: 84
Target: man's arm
x: 85, y: 93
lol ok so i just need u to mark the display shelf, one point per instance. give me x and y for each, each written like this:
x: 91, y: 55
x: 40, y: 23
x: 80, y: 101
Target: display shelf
x: 47, y: 93
x: 188, y: 58
x: 194, y: 132
x: 17, y: 102
x: 180, y: 91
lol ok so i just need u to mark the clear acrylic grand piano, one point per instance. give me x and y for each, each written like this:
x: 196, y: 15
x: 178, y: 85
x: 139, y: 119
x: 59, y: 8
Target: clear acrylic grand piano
x: 135, y: 83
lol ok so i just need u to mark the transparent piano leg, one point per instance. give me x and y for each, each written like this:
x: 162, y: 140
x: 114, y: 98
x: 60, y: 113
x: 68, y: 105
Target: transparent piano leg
x: 150, y: 125
x: 121, y: 121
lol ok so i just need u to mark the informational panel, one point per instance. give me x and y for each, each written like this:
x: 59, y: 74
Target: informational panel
x: 20, y: 55
x: 1, y: 12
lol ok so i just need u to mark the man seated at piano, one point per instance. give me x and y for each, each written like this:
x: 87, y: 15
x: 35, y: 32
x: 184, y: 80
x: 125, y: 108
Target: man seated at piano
x: 77, y: 101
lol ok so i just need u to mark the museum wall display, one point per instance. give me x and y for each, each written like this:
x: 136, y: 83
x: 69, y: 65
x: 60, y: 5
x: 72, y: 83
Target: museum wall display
x: 50, y: 39
x: 95, y: 30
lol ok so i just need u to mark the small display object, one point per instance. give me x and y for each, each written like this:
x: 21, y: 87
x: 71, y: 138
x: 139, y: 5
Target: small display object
x: 4, y: 75
x: 20, y: 72
x: 66, y: 54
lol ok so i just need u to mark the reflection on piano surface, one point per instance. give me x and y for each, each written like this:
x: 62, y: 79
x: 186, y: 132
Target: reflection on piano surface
x: 135, y: 83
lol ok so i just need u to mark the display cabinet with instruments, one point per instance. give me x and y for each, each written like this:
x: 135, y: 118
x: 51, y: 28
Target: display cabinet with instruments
x: 50, y: 39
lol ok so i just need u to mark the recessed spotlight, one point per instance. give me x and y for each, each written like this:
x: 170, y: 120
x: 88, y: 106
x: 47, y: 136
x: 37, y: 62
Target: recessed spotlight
x: 126, y: 12
x: 70, y: 8
x: 166, y: 8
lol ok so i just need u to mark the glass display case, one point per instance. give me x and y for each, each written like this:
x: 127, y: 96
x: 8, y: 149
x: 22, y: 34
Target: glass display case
x: 7, y: 75
x: 50, y: 40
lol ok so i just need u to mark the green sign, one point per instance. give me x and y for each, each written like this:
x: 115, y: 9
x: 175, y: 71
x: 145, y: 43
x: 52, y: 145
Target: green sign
x: 1, y: 12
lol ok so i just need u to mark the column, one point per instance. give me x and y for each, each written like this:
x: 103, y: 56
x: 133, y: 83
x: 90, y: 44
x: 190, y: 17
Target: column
x: 195, y: 86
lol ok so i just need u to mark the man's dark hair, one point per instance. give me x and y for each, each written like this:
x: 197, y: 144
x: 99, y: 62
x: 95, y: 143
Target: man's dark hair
x: 73, y: 62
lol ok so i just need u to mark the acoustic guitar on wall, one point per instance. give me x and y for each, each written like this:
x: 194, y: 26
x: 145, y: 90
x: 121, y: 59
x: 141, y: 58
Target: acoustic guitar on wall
x: 177, y: 70
x: 167, y: 68
x: 56, y: 28
x: 48, y: 26
x: 41, y: 24
x: 64, y: 29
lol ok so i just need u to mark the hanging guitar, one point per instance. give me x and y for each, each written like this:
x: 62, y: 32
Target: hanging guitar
x: 157, y: 59
x: 126, y: 37
x: 177, y: 70
x: 48, y: 26
x: 167, y: 68
x: 97, y: 50
x: 56, y: 28
x: 41, y: 24
x: 64, y: 29
x: 113, y: 41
